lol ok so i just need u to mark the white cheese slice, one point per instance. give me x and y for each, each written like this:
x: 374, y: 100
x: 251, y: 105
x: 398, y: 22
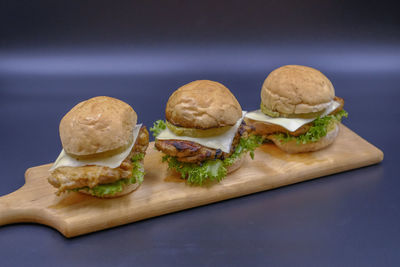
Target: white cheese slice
x: 64, y: 160
x: 223, y: 141
x: 291, y: 124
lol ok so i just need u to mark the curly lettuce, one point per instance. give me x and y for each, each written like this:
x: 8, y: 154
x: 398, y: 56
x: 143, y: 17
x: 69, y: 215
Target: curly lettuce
x: 319, y: 129
x: 116, y: 187
x: 212, y: 170
x: 158, y: 127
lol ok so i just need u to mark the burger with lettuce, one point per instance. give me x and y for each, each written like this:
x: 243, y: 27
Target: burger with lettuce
x: 103, y: 149
x: 204, y: 136
x: 299, y: 110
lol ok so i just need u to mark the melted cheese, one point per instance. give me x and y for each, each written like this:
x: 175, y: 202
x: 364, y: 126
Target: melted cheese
x: 291, y: 124
x: 223, y: 141
x: 64, y: 160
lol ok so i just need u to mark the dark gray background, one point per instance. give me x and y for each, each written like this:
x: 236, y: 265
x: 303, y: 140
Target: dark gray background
x: 56, y: 53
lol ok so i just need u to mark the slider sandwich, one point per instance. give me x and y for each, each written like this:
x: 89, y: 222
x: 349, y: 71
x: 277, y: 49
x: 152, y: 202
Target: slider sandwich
x: 103, y: 149
x: 204, y: 136
x: 299, y: 110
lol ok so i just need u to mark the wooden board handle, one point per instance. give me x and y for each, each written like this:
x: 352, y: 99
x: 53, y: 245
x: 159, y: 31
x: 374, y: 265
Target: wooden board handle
x: 9, y: 211
x: 20, y: 206
x: 28, y: 203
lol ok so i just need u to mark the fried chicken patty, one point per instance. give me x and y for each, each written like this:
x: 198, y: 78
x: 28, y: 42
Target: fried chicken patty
x: 265, y: 129
x: 191, y: 152
x: 65, y: 178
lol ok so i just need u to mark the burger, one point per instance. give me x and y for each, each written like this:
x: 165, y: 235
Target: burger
x: 204, y: 136
x: 103, y: 149
x: 299, y: 111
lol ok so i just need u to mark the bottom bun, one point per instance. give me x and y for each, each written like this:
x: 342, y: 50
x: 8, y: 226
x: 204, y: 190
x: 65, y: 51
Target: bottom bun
x: 293, y: 147
x: 236, y: 165
x: 126, y: 190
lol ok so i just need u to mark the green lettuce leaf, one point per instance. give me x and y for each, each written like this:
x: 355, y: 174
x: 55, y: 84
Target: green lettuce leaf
x: 212, y: 170
x: 245, y: 145
x: 319, y: 129
x: 116, y: 187
x: 104, y: 189
x: 158, y: 127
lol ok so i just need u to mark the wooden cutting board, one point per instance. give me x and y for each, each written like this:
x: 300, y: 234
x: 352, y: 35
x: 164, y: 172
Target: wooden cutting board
x: 163, y: 192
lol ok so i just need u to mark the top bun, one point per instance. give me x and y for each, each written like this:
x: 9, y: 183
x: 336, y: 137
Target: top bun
x: 203, y: 104
x: 294, y: 89
x: 100, y: 124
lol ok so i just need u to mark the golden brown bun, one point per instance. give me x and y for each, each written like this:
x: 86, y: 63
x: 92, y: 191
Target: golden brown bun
x: 126, y: 190
x: 293, y: 147
x: 203, y: 104
x: 236, y: 165
x: 97, y: 125
x: 296, y: 89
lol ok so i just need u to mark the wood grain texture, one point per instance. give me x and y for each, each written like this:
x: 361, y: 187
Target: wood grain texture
x: 163, y: 192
